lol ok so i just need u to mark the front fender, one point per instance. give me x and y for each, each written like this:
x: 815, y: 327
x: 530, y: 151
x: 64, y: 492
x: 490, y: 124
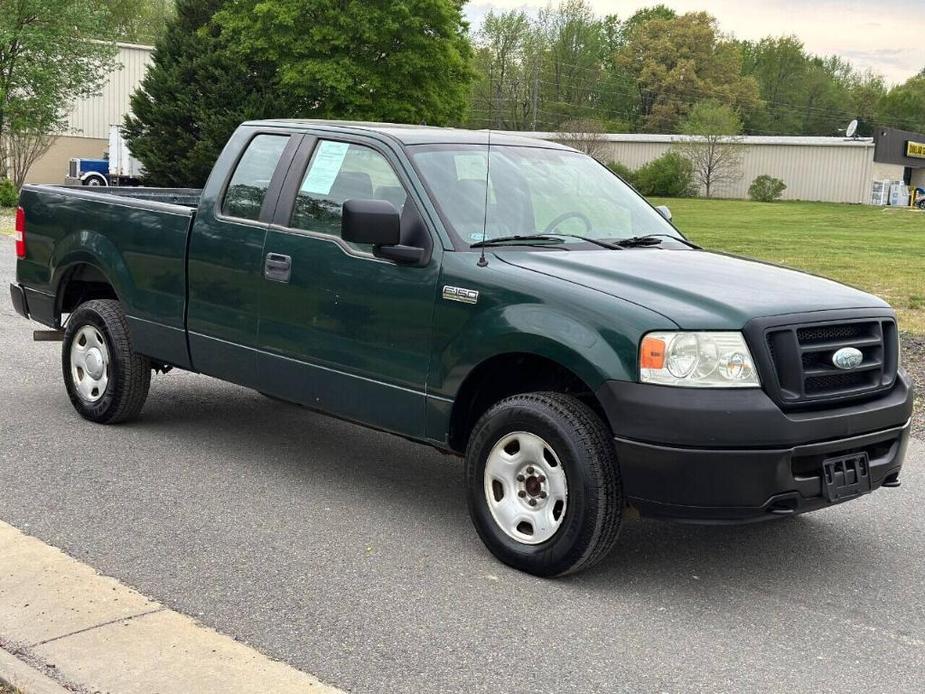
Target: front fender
x: 537, y: 329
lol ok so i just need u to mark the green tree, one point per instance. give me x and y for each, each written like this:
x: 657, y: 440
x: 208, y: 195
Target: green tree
x: 642, y: 17
x: 904, y: 105
x: 779, y: 66
x: 194, y: 95
x: 137, y: 21
x: 675, y: 62
x: 406, y: 61
x: 507, y: 62
x: 575, y: 62
x: 45, y: 64
x: 712, y: 145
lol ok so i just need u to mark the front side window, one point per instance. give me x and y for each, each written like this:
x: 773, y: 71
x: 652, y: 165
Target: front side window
x: 248, y: 187
x: 341, y: 171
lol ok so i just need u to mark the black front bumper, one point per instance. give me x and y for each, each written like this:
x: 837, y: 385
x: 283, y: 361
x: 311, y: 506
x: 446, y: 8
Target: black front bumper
x: 728, y: 456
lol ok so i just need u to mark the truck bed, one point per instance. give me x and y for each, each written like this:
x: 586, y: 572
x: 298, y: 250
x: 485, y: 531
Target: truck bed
x: 186, y: 197
x: 135, y: 237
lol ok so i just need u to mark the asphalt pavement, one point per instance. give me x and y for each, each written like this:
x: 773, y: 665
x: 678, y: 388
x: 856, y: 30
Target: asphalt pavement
x: 349, y: 554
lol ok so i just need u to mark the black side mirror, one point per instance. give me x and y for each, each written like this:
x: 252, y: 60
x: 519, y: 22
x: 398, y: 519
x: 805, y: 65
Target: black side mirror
x: 371, y: 221
x: 378, y: 222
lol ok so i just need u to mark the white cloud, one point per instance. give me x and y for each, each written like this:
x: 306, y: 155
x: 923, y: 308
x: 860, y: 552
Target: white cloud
x: 886, y: 36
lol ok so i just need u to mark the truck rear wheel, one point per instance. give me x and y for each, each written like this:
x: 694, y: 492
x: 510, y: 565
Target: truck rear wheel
x: 543, y: 485
x: 106, y: 380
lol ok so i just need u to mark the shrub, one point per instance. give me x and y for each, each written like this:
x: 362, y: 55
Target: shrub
x: 669, y: 176
x: 9, y: 196
x: 766, y: 189
x: 623, y: 171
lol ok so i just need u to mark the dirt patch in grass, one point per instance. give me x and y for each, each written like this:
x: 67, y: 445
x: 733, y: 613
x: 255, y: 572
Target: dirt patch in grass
x: 914, y: 362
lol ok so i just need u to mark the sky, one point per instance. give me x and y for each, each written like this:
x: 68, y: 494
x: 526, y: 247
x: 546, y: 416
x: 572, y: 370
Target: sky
x: 886, y: 36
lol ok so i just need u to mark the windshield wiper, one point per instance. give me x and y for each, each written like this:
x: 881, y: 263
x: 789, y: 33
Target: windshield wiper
x: 505, y: 240
x: 596, y: 242
x: 550, y: 238
x: 652, y: 240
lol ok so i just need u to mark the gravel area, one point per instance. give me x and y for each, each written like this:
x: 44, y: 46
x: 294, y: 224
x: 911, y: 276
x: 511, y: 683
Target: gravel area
x: 914, y: 362
x: 7, y: 219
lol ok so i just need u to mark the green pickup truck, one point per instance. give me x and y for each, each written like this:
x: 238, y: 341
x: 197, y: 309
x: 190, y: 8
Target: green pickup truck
x: 505, y: 299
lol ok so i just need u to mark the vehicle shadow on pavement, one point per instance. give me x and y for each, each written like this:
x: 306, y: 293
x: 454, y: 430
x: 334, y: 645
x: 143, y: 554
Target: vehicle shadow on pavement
x: 804, y: 553
x: 421, y: 492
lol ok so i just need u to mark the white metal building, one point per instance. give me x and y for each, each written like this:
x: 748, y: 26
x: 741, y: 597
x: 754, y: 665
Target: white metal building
x: 832, y: 169
x: 89, y: 120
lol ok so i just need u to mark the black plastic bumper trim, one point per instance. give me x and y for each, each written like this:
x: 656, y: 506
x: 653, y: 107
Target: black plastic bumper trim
x: 18, y: 297
x: 737, y: 486
x: 741, y: 418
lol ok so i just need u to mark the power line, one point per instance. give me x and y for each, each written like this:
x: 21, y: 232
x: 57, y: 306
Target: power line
x: 635, y: 89
x: 805, y: 109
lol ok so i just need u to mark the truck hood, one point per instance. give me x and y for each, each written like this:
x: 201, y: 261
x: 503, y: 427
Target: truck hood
x: 698, y: 290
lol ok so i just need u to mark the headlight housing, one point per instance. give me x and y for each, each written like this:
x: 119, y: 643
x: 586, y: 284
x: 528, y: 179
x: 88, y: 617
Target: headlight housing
x: 697, y: 360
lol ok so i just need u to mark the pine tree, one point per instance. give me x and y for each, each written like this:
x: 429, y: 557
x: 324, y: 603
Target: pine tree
x: 193, y: 97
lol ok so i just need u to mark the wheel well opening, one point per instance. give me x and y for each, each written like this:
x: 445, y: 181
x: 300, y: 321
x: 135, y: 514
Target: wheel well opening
x: 506, y: 375
x: 83, y: 283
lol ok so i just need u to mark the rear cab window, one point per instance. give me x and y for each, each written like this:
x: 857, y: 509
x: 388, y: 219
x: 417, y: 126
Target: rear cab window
x: 247, y: 189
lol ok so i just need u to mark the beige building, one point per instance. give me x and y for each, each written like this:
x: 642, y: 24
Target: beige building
x: 89, y: 120
x: 831, y: 169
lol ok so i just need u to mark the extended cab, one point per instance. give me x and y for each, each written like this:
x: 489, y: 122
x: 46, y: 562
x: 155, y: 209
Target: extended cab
x: 506, y: 299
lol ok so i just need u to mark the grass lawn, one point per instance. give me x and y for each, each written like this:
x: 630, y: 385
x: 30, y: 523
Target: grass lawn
x: 879, y: 250
x: 7, y: 219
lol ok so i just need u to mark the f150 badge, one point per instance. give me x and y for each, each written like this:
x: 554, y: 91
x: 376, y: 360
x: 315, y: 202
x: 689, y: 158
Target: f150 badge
x: 466, y: 296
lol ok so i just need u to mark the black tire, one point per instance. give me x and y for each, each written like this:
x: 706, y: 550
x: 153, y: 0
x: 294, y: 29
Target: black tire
x: 129, y: 374
x: 594, y: 510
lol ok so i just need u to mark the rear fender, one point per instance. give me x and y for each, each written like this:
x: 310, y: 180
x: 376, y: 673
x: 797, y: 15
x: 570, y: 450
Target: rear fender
x: 94, y: 249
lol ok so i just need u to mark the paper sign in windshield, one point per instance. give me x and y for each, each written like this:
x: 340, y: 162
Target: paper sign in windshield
x: 471, y: 167
x: 325, y: 167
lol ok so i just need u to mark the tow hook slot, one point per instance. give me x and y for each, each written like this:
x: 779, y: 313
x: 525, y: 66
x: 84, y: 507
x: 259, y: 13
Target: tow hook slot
x: 892, y: 481
x: 784, y: 505
x: 48, y: 336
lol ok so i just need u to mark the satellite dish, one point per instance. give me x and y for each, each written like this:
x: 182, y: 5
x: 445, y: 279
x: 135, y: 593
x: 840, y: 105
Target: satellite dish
x: 852, y: 128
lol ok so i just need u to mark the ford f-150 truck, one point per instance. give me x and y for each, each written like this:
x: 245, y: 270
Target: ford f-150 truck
x: 506, y: 299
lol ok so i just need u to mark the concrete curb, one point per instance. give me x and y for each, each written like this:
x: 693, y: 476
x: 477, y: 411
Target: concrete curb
x: 23, y: 676
x: 96, y: 634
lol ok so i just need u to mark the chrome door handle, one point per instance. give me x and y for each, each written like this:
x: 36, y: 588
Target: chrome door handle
x: 277, y: 267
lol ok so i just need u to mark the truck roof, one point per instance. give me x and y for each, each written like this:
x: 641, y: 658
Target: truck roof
x: 411, y: 134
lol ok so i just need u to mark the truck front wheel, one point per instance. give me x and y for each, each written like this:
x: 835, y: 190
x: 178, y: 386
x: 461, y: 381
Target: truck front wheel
x: 106, y: 380
x: 543, y: 484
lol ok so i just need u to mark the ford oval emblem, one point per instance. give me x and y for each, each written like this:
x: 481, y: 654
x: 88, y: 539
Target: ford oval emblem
x: 848, y: 358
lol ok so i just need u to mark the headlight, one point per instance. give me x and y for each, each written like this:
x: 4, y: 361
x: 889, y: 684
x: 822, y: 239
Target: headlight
x: 697, y: 360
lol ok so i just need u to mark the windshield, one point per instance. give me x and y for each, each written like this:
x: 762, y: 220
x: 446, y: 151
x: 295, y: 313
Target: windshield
x: 532, y: 190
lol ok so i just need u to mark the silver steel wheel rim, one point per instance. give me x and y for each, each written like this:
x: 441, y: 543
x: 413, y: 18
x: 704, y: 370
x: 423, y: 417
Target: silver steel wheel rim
x: 89, y: 363
x: 526, y: 488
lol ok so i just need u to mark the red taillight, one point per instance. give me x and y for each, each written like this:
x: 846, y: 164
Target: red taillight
x: 20, y: 232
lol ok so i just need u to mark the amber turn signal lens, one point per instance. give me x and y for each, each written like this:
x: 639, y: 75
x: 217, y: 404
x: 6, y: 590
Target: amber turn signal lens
x: 652, y: 353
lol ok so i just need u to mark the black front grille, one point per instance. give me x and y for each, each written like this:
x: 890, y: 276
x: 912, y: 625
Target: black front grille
x: 802, y: 360
x: 835, y: 383
x: 825, y: 333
